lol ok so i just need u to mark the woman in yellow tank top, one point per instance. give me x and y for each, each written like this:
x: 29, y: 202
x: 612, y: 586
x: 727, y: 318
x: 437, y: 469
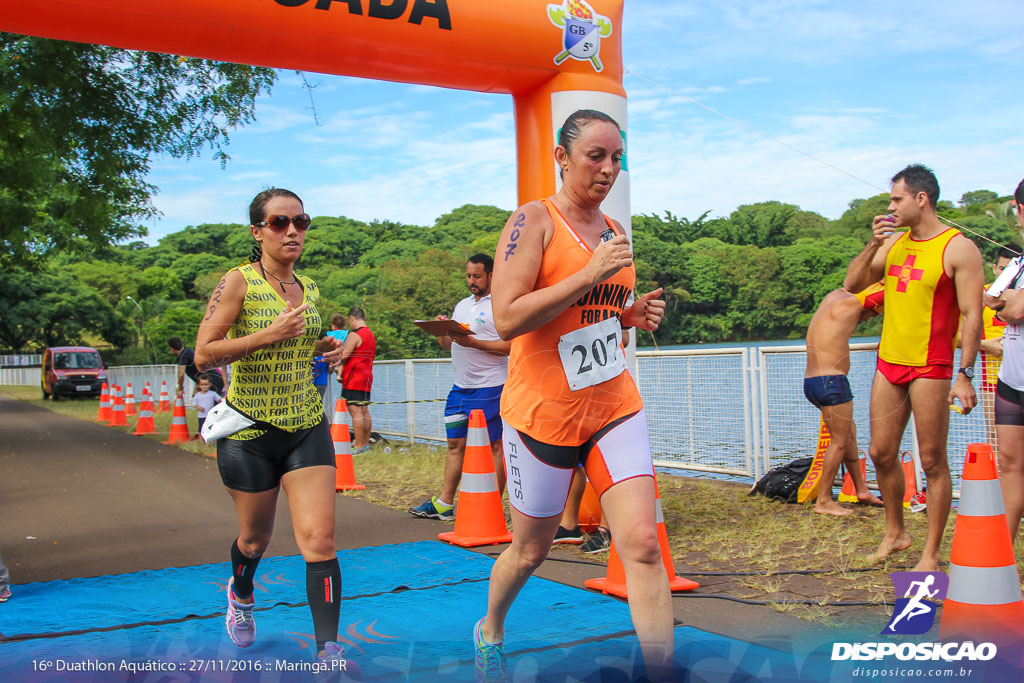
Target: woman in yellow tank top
x: 562, y: 292
x: 262, y: 318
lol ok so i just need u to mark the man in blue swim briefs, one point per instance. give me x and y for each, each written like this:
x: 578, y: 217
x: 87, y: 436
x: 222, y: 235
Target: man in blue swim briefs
x: 827, y: 387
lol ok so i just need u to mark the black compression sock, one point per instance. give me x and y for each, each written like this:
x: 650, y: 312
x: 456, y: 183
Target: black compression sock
x: 323, y: 589
x: 244, y: 570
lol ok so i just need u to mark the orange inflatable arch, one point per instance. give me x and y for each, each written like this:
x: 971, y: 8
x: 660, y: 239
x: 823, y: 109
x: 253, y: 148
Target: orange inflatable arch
x: 552, y: 57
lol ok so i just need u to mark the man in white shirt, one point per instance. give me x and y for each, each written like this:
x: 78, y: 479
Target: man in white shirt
x: 480, y: 361
x: 1009, y: 400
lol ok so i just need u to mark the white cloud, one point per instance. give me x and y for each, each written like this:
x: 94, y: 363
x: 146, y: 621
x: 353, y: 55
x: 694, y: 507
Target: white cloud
x: 271, y: 118
x: 252, y: 175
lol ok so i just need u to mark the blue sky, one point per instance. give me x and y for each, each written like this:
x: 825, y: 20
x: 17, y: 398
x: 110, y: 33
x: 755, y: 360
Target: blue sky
x: 868, y: 87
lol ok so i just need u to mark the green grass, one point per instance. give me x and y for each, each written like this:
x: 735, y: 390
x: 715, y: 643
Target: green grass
x: 713, y: 527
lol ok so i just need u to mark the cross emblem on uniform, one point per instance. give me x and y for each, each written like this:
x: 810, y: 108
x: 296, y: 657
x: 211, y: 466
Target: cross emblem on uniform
x: 906, y: 273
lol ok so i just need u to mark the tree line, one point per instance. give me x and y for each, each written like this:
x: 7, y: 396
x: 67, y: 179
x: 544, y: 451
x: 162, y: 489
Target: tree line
x: 83, y: 122
x: 756, y: 274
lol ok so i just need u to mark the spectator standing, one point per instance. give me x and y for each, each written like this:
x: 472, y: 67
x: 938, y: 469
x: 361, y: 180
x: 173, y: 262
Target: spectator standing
x: 932, y: 275
x: 203, y: 401
x: 357, y: 356
x: 338, y: 331
x: 1009, y: 399
x: 186, y: 359
x: 321, y: 379
x: 480, y: 364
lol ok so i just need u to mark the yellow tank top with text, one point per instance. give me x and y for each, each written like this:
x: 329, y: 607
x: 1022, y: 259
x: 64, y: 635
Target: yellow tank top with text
x: 275, y: 383
x: 537, y: 399
x: 921, y: 309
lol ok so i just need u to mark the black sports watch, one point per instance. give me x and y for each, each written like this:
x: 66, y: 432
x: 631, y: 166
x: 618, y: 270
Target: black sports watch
x: 967, y: 372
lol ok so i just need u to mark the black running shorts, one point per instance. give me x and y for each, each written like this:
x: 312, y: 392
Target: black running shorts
x: 258, y: 464
x: 1009, y: 405
x: 356, y: 397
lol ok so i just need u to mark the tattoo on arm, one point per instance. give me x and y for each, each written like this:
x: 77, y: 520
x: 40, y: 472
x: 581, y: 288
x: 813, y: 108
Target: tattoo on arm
x: 215, y: 299
x: 513, y: 239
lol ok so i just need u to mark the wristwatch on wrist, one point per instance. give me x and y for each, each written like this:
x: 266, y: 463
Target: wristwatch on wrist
x: 967, y: 372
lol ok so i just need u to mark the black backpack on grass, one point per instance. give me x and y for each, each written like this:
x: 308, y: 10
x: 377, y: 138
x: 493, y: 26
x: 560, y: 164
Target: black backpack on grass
x: 782, y: 482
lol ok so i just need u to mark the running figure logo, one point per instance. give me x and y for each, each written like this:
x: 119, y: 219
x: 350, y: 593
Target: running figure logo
x: 914, y: 613
x: 583, y: 30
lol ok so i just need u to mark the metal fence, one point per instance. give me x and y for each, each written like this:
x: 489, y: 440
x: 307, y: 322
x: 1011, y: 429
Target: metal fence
x: 21, y: 376
x: 737, y: 411
x: 21, y: 359
x: 789, y: 424
x: 700, y: 408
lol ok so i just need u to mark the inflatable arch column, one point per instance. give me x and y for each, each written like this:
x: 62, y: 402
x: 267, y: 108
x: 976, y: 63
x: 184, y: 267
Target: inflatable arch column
x: 539, y: 115
x: 553, y: 57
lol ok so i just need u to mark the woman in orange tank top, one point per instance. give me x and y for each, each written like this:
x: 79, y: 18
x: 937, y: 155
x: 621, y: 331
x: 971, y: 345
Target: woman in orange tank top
x: 562, y: 292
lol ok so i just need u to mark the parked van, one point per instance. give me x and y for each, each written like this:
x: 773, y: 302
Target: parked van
x: 72, y: 371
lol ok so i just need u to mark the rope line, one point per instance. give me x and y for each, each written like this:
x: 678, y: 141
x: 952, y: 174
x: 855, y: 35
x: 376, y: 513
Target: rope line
x: 792, y: 148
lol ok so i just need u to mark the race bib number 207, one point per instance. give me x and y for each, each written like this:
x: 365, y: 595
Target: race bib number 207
x: 591, y: 355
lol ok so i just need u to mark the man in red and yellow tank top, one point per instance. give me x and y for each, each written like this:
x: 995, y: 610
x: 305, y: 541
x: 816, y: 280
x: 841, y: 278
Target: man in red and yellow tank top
x: 932, y: 277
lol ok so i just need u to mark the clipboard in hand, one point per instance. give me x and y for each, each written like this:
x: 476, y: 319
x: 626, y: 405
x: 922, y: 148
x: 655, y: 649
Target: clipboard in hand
x: 441, y: 328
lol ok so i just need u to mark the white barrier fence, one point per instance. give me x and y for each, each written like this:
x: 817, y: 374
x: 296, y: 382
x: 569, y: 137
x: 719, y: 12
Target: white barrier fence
x: 138, y: 375
x: 20, y: 376
x: 737, y: 411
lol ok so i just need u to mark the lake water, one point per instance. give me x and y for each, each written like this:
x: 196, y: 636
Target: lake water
x: 737, y: 408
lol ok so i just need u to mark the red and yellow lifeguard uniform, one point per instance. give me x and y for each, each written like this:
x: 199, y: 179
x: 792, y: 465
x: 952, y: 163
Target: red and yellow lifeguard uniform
x: 991, y: 328
x: 537, y: 399
x: 872, y: 297
x: 921, y: 310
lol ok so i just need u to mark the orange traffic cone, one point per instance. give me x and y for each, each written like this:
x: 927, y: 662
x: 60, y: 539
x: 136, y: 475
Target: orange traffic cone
x: 480, y: 519
x: 103, y: 414
x: 117, y: 417
x: 338, y: 421
x: 129, y: 402
x: 145, y: 425
x: 345, y: 475
x: 849, y: 492
x: 179, y: 425
x: 590, y: 509
x: 614, y: 582
x: 165, y: 403
x: 984, y: 599
x: 907, y: 462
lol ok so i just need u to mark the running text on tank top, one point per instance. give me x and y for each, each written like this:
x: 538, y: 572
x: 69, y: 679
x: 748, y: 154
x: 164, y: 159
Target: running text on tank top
x: 275, y: 384
x: 538, y: 399
x: 357, y: 374
x: 921, y: 308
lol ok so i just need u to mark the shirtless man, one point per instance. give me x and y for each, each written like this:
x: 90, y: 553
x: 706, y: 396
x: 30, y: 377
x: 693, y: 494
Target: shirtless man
x: 933, y: 275
x: 826, y: 386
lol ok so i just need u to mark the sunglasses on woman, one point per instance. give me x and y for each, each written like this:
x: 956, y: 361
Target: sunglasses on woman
x: 279, y: 222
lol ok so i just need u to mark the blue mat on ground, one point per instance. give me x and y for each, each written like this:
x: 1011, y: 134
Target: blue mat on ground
x: 415, y: 633
x: 179, y: 592
x: 413, y: 622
